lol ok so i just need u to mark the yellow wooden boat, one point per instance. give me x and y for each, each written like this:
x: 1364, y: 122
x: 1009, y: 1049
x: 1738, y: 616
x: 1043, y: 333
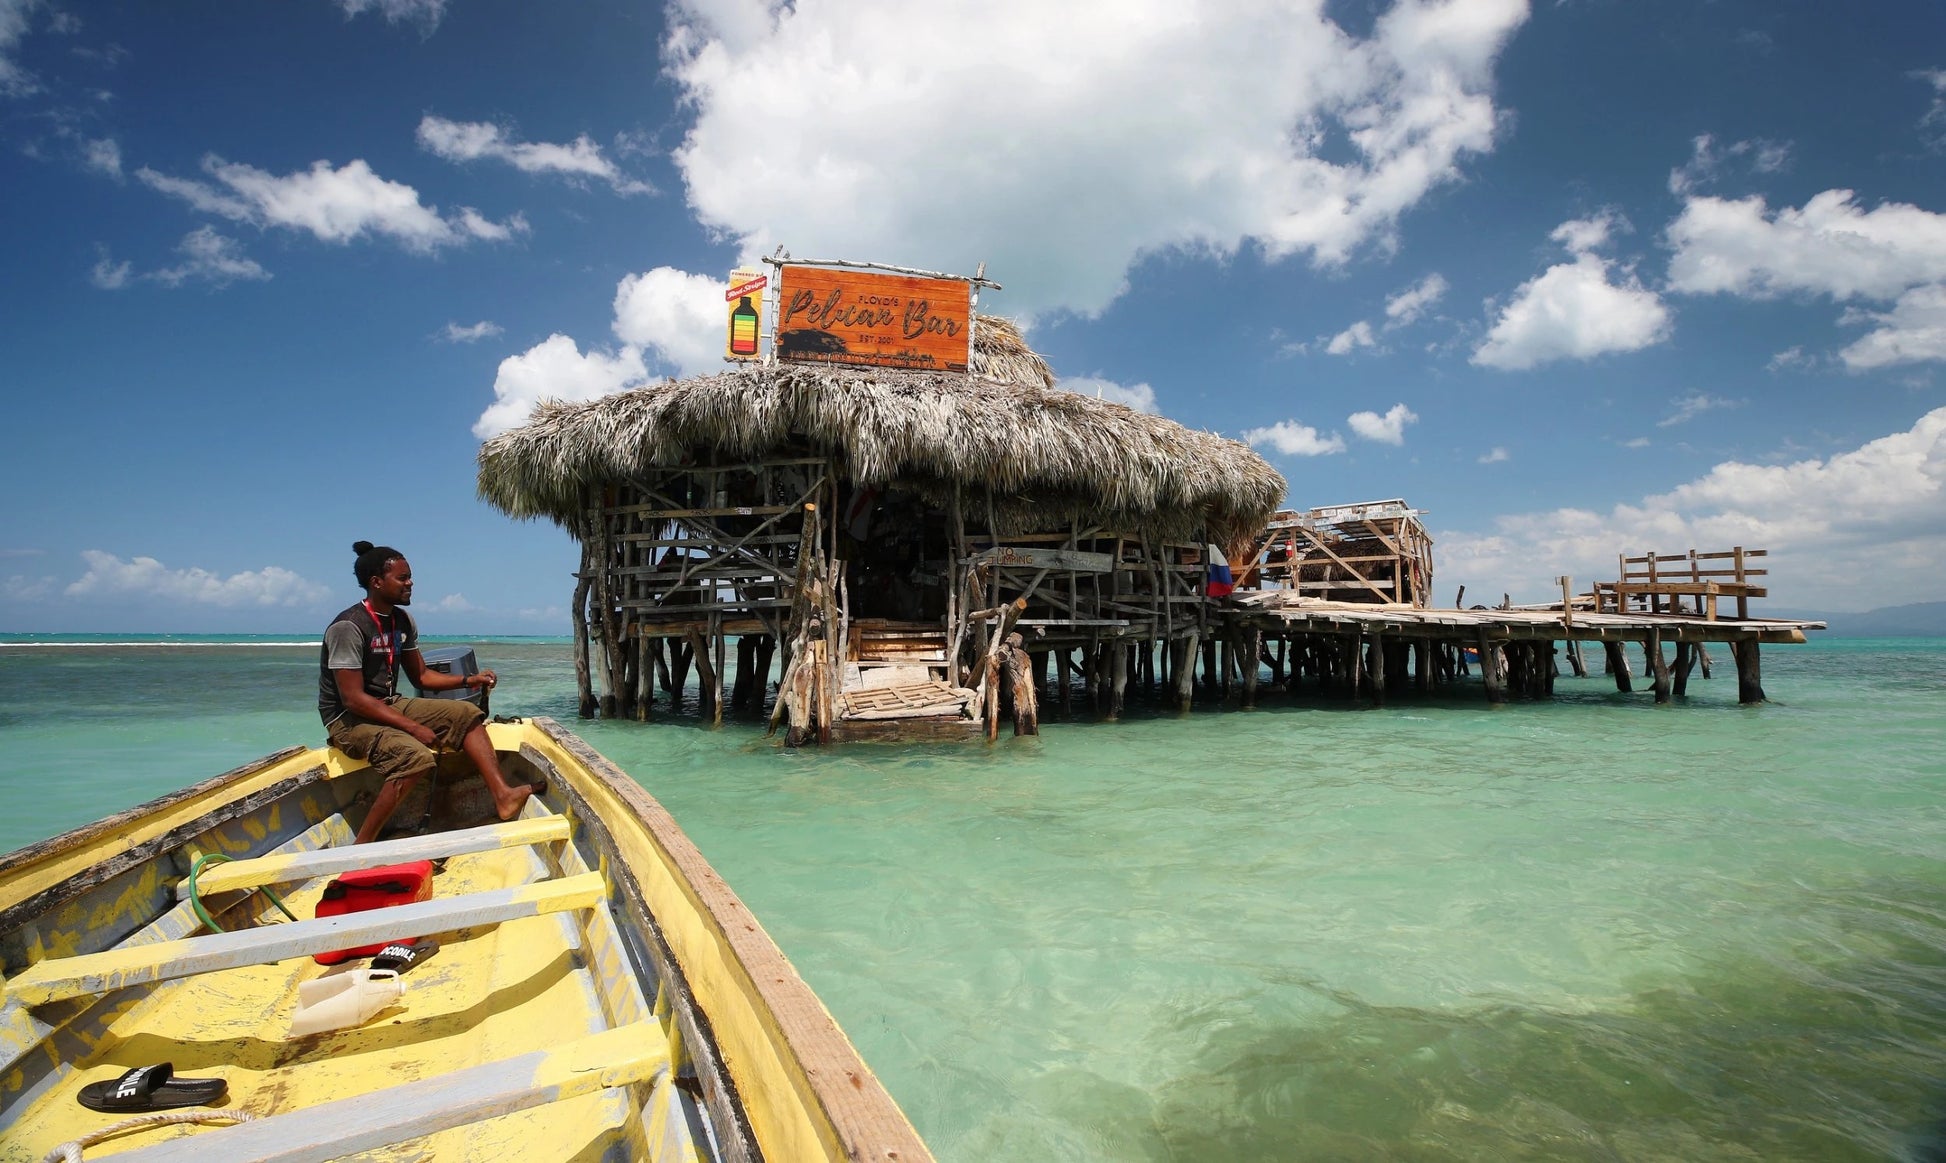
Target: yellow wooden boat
x: 598, y: 993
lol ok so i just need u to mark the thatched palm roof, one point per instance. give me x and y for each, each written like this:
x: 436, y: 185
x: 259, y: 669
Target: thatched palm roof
x: 1003, y: 433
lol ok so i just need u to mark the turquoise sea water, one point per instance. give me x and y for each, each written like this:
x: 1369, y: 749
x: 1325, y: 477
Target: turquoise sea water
x: 1587, y: 929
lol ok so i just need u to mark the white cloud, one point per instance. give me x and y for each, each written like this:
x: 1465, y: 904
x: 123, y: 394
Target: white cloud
x: 1688, y: 408
x: 1637, y: 442
x: 209, y: 257
x: 335, y: 205
x: 15, y: 16
x: 1707, y: 162
x: 1294, y: 439
x: 1386, y: 429
x: 464, y: 141
x: 22, y: 588
x: 675, y: 316
x: 1222, y: 124
x: 1497, y: 456
x: 471, y: 333
x: 1790, y: 358
x: 1933, y: 124
x: 1830, y: 247
x: 425, y: 13
x: 678, y: 315
x: 1884, y: 501
x: 1893, y: 253
x: 1913, y: 331
x: 103, y: 156
x: 1140, y: 397
x: 1576, y: 310
x: 555, y: 369
x: 454, y: 604
x: 1401, y: 310
x: 110, y: 576
x: 1351, y: 339
x: 1409, y: 304
x: 108, y: 274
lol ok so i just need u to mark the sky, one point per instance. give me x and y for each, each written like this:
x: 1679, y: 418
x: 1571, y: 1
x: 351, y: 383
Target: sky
x: 1576, y: 278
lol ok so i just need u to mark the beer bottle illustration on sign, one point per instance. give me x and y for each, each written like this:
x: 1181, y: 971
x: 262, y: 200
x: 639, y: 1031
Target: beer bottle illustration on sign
x: 743, y: 328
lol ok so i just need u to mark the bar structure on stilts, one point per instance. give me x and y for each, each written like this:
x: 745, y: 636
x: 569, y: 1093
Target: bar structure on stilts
x: 895, y: 526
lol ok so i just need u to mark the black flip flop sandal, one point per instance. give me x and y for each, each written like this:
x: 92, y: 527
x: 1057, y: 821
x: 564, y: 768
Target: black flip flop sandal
x: 402, y: 957
x: 150, y: 1088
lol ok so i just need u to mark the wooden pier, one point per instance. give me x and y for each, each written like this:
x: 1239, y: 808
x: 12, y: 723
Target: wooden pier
x: 1374, y: 649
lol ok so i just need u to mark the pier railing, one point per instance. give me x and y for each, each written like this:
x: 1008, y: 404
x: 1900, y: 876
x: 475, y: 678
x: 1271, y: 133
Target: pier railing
x: 1658, y: 583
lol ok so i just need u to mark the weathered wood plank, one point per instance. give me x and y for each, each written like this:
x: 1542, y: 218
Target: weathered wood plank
x: 1034, y: 558
x: 332, y: 861
x: 62, y: 977
x: 620, y: 1057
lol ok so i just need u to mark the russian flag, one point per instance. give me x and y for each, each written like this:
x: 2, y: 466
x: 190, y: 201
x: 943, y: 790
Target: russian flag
x: 1220, y: 583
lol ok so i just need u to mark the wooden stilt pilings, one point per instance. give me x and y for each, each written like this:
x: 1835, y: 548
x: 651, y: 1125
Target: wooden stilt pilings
x: 1618, y: 666
x: 1750, y: 678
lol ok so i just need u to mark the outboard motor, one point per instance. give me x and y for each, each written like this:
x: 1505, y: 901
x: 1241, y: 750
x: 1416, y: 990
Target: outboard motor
x: 455, y: 660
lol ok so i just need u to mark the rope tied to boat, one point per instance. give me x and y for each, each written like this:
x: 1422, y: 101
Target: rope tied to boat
x: 70, y: 1151
x: 196, y: 900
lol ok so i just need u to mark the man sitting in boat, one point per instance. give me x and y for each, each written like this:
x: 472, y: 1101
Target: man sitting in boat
x: 364, y: 715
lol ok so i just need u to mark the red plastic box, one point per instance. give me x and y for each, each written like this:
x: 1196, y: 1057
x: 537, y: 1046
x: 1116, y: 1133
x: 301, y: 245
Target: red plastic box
x: 373, y: 888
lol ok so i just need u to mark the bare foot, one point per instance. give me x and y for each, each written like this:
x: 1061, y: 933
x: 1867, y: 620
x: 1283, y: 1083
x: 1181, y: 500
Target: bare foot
x: 510, y: 806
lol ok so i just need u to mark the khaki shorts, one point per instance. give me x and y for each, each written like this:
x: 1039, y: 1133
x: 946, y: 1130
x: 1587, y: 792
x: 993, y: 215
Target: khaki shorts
x: 395, y: 754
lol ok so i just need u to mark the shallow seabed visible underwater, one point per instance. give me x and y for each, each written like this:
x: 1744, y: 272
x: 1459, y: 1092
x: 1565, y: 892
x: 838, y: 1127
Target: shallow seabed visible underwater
x: 1586, y: 929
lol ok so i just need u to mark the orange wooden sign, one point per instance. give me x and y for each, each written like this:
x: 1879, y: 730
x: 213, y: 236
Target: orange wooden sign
x: 827, y: 315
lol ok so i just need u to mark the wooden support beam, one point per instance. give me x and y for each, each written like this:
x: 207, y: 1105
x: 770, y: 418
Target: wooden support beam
x: 1617, y: 665
x: 1186, y: 672
x: 1492, y: 673
x: 1685, y: 659
x: 1252, y: 646
x: 1750, y: 678
x: 1658, y: 666
x: 1375, y: 653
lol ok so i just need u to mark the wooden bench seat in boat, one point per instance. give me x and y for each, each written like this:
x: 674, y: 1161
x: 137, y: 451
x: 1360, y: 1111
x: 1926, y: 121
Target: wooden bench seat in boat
x: 292, y: 866
x: 64, y: 977
x: 331, y: 1130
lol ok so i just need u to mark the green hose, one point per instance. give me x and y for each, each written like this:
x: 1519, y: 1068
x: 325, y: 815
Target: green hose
x: 196, y: 900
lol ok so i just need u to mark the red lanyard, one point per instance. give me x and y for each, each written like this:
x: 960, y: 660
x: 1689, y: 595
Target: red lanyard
x: 391, y: 638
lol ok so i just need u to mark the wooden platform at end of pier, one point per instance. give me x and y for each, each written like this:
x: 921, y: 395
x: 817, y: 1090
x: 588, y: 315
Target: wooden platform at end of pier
x: 1357, y: 645
x: 1280, y: 610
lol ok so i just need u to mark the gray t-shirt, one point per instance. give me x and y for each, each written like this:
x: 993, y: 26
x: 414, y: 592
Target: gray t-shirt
x: 357, y: 641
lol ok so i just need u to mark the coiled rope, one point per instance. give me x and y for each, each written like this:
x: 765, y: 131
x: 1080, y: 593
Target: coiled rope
x: 70, y: 1151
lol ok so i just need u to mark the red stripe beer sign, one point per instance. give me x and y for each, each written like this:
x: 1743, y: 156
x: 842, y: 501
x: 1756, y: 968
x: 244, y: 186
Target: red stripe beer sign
x: 746, y: 302
x: 831, y: 315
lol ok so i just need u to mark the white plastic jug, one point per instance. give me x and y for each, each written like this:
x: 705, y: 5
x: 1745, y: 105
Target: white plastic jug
x: 344, y: 999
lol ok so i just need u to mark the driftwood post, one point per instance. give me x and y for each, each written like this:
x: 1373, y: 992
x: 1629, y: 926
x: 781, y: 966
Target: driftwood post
x: 1685, y: 659
x: 1020, y: 679
x: 1658, y: 666
x: 1750, y: 676
x: 708, y: 690
x: 1618, y: 666
x: 680, y: 656
x: 583, y: 680
x: 1491, y: 671
x: 1186, y: 672
x: 766, y: 650
x: 644, y: 677
x: 746, y: 671
x: 1252, y: 646
x: 1376, y: 653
